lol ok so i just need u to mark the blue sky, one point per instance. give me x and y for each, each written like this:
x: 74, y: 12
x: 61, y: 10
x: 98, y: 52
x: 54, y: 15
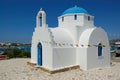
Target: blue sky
x: 17, y: 17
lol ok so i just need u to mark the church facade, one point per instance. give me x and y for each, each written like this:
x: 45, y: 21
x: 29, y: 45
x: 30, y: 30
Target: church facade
x: 76, y: 41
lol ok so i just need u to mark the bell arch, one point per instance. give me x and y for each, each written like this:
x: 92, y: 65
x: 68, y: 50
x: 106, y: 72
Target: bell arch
x: 41, y: 18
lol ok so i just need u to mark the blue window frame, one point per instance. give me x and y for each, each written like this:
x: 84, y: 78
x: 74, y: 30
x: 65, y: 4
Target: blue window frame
x: 75, y: 17
x: 88, y: 18
x: 62, y: 19
x: 99, y: 49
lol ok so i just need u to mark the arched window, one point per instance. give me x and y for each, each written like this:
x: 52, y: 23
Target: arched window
x: 62, y: 19
x: 75, y: 17
x: 88, y: 18
x: 99, y: 49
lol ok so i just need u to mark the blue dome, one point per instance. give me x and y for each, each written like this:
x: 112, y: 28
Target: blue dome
x: 75, y: 10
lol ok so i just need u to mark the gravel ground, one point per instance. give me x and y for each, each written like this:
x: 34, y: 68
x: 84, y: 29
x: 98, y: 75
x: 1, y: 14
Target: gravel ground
x: 17, y: 69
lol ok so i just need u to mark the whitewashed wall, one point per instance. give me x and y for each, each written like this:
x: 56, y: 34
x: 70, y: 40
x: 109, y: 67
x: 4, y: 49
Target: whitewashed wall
x: 93, y: 37
x: 64, y: 57
x: 81, y: 58
x: 47, y: 57
x: 95, y: 61
x: 40, y: 35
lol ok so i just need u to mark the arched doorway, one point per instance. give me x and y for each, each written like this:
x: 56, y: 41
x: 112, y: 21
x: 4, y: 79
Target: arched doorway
x: 99, y: 49
x: 39, y: 55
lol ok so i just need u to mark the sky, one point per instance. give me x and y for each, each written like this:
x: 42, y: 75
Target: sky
x: 18, y: 17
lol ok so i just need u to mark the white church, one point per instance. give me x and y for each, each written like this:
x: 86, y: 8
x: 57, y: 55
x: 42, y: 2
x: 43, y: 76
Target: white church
x: 76, y: 41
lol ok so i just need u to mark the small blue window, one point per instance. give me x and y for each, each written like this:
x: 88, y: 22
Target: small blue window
x: 99, y: 49
x: 88, y: 18
x: 62, y: 19
x: 75, y: 17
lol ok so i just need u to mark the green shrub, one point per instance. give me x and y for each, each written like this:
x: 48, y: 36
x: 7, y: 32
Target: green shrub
x: 17, y: 53
x: 9, y: 53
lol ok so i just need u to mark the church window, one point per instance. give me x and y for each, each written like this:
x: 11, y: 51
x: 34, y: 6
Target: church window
x: 88, y: 18
x: 75, y: 17
x: 99, y: 49
x: 62, y: 19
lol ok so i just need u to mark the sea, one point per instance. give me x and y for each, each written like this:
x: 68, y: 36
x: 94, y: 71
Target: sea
x: 26, y: 48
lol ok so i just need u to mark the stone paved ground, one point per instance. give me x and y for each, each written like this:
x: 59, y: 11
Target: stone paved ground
x: 17, y: 69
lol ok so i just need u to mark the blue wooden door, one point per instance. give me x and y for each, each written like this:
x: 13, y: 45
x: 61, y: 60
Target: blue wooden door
x: 39, y: 56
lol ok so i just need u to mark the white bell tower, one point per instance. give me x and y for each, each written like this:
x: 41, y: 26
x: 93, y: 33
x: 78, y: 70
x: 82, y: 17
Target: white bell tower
x: 41, y: 19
